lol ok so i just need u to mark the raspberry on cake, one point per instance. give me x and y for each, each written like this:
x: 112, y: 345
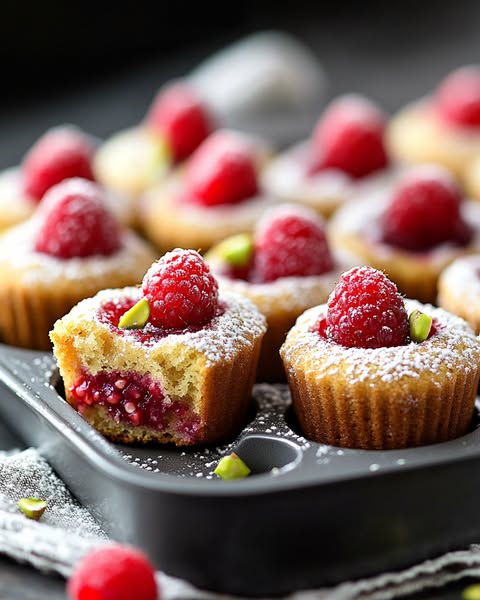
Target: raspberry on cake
x: 216, y: 194
x: 411, y: 230
x: 359, y: 380
x: 137, y: 158
x: 181, y: 374
x: 284, y: 267
x: 346, y: 151
x: 68, y: 250
x: 61, y: 153
x: 442, y: 127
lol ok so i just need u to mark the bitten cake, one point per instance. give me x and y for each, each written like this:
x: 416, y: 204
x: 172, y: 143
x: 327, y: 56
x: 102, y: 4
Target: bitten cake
x: 284, y: 267
x: 71, y: 248
x: 411, y: 230
x: 372, y: 370
x: 345, y: 151
x: 170, y: 361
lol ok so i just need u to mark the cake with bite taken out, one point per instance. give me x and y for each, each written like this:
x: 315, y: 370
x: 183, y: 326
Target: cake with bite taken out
x: 171, y: 361
x: 345, y: 151
x: 216, y: 194
x: 69, y: 249
x: 284, y: 267
x: 373, y: 370
x: 411, y: 230
x: 62, y: 152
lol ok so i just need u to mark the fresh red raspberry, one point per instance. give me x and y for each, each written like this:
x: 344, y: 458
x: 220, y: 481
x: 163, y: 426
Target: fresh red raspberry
x: 180, y: 115
x: 365, y: 310
x: 74, y: 222
x: 114, y: 572
x: 350, y: 137
x: 290, y: 241
x: 425, y: 210
x: 61, y: 153
x: 221, y: 171
x: 457, y: 98
x: 181, y: 290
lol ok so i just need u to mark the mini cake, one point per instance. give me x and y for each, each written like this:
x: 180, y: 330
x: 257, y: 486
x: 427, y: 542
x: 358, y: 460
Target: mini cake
x: 170, y: 361
x: 69, y: 249
x: 284, y: 267
x: 411, y: 230
x: 216, y: 194
x: 459, y: 289
x: 442, y: 128
x: 346, y: 150
x: 61, y: 153
x: 372, y: 370
x: 136, y: 158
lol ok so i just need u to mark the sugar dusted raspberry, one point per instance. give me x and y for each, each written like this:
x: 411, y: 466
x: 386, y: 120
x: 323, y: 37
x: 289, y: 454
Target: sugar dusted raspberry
x: 114, y: 572
x: 457, y: 98
x: 181, y: 290
x: 221, y: 171
x: 290, y: 241
x: 425, y: 210
x: 180, y: 115
x: 74, y: 222
x: 61, y: 153
x: 365, y: 310
x: 350, y: 137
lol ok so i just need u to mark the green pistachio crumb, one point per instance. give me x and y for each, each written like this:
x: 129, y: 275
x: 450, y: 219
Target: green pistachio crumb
x: 472, y: 592
x: 232, y: 467
x: 33, y: 508
x: 135, y: 317
x: 236, y: 250
x: 420, y: 325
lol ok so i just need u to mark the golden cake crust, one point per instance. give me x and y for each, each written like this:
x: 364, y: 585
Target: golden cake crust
x: 36, y: 289
x: 211, y: 371
x: 382, y: 398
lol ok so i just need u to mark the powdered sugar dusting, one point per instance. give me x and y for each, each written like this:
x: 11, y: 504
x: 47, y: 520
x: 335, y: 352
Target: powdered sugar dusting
x: 453, y: 346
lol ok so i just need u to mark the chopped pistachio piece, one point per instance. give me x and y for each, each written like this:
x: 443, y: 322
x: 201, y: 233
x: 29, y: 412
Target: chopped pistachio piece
x: 472, y: 592
x: 236, y: 250
x: 135, y: 317
x: 232, y: 467
x: 33, y: 508
x: 420, y: 325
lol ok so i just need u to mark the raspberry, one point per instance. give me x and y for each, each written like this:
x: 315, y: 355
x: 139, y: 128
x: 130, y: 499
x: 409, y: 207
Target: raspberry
x: 181, y: 290
x: 349, y: 137
x: 179, y: 115
x: 425, y: 211
x: 115, y: 572
x: 221, y: 171
x: 365, y: 310
x: 74, y: 222
x: 457, y: 98
x: 290, y: 241
x: 61, y: 153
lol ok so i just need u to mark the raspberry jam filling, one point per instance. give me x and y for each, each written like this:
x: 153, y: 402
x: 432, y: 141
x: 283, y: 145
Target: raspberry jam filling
x: 136, y: 400
x: 110, y: 314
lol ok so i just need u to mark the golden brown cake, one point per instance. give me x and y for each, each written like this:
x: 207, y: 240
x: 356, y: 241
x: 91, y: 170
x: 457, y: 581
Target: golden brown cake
x: 68, y: 250
x: 345, y: 152
x: 284, y: 267
x: 187, y: 384
x: 443, y: 127
x: 459, y: 289
x: 411, y: 230
x: 396, y: 394
x: 216, y: 194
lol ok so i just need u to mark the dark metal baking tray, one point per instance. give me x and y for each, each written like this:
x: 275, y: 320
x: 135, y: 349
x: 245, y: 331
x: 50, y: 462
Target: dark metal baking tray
x: 309, y: 515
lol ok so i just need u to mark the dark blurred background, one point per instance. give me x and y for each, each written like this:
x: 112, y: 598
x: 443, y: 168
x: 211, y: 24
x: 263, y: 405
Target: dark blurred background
x: 98, y: 64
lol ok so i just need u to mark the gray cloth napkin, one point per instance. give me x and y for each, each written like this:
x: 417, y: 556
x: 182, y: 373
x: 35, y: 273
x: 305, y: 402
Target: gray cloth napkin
x: 67, y: 531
